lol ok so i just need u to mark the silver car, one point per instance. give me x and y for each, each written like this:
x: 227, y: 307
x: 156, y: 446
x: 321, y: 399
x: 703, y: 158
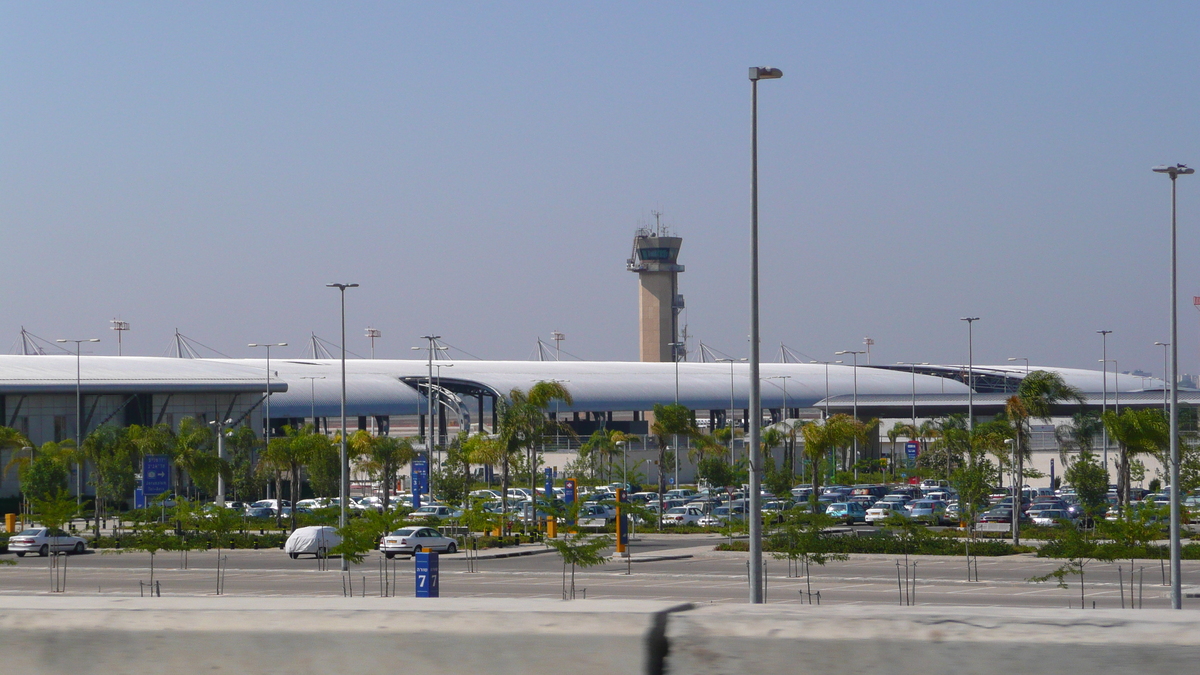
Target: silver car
x: 43, y: 541
x: 410, y: 540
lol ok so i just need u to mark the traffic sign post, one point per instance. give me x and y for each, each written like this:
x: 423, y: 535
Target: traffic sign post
x: 420, y: 478
x: 622, y: 529
x: 139, y: 499
x: 569, y: 495
x: 427, y: 574
x: 911, y: 449
x: 549, y: 483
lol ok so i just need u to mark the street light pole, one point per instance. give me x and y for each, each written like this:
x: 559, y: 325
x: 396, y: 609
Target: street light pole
x: 79, y: 419
x: 1021, y: 358
x: 373, y: 333
x: 344, y: 486
x: 729, y: 422
x: 855, y: 354
x: 312, y: 396
x: 220, y: 427
x: 267, y: 404
x: 1176, y: 586
x: 755, y: 411
x: 1164, y: 345
x: 120, y: 327
x: 1104, y: 389
x: 970, y: 371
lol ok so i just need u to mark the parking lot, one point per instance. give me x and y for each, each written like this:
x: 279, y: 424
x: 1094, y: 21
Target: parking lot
x: 664, y: 567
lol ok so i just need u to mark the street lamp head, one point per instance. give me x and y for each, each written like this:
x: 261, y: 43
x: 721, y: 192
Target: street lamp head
x: 765, y: 73
x: 969, y: 319
x: 341, y: 286
x: 1172, y: 171
x: 1162, y: 344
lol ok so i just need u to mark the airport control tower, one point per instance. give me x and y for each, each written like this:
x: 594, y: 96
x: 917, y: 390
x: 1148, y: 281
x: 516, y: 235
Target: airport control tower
x: 654, y: 258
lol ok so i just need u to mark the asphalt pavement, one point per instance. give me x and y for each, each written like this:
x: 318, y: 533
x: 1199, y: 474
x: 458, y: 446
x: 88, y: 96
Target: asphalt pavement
x: 673, y: 568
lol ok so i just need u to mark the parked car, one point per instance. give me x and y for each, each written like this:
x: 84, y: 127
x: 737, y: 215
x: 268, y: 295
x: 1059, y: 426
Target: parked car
x: 315, y: 540
x: 682, y: 515
x: 434, y: 511
x: 847, y: 512
x: 412, y: 540
x: 928, y: 511
x: 44, y: 541
x: 881, y: 510
x: 1050, y: 517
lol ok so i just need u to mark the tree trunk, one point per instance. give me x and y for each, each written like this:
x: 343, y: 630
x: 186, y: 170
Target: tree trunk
x: 504, y: 493
x: 388, y: 478
x: 295, y: 485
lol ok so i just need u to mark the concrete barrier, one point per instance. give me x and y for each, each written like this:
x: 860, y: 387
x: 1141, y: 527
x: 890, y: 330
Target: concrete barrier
x: 299, y: 636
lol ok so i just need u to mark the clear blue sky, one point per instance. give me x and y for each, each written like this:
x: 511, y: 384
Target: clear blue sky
x: 480, y: 168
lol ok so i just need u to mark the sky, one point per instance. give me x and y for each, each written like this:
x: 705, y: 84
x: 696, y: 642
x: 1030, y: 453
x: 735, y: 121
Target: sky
x: 480, y: 169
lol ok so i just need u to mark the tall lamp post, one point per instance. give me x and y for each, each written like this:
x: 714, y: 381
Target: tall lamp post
x: 344, y: 484
x: 755, y: 515
x: 220, y: 428
x: 373, y: 333
x: 731, y: 404
x: 1021, y: 358
x: 267, y: 410
x: 119, y: 326
x: 1104, y: 389
x: 855, y: 354
x: 312, y: 396
x: 1164, y: 345
x: 78, y: 418
x: 970, y: 371
x: 1176, y: 586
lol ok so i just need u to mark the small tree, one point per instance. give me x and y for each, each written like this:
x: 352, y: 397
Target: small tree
x: 579, y: 550
x: 1079, y: 549
x: 802, y: 541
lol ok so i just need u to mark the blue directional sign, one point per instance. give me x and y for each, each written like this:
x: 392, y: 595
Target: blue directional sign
x: 427, y: 574
x: 420, y: 478
x: 549, y: 483
x: 911, y: 448
x: 139, y: 499
x: 156, y: 475
x: 569, y: 491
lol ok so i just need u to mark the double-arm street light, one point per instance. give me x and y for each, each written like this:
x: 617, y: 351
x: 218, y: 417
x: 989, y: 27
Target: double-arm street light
x: 1176, y: 586
x: 755, y: 515
x: 78, y: 419
x: 1021, y: 358
x: 344, y: 486
x: 855, y: 354
x: 267, y: 410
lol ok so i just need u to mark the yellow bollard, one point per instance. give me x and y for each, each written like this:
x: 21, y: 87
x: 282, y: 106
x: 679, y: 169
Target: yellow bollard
x: 552, y: 528
x: 10, y: 523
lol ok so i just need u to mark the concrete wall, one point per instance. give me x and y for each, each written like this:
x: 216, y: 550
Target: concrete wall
x: 298, y: 636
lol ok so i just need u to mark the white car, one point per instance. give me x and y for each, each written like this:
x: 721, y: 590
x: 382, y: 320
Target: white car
x: 881, y: 510
x: 682, y: 515
x: 315, y: 540
x: 434, y: 511
x: 412, y: 540
x: 43, y: 540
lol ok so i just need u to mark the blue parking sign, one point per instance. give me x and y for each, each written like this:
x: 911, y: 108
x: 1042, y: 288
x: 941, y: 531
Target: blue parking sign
x: 911, y: 448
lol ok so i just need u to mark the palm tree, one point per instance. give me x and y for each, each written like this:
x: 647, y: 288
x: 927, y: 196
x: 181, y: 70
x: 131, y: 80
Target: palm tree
x: 111, y: 453
x: 1137, y: 432
x: 899, y: 429
x: 290, y: 453
x: 22, y: 449
x: 195, y: 455
x: 522, y: 424
x: 1038, y: 394
x: 386, y: 455
x: 669, y: 420
x: 821, y: 438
